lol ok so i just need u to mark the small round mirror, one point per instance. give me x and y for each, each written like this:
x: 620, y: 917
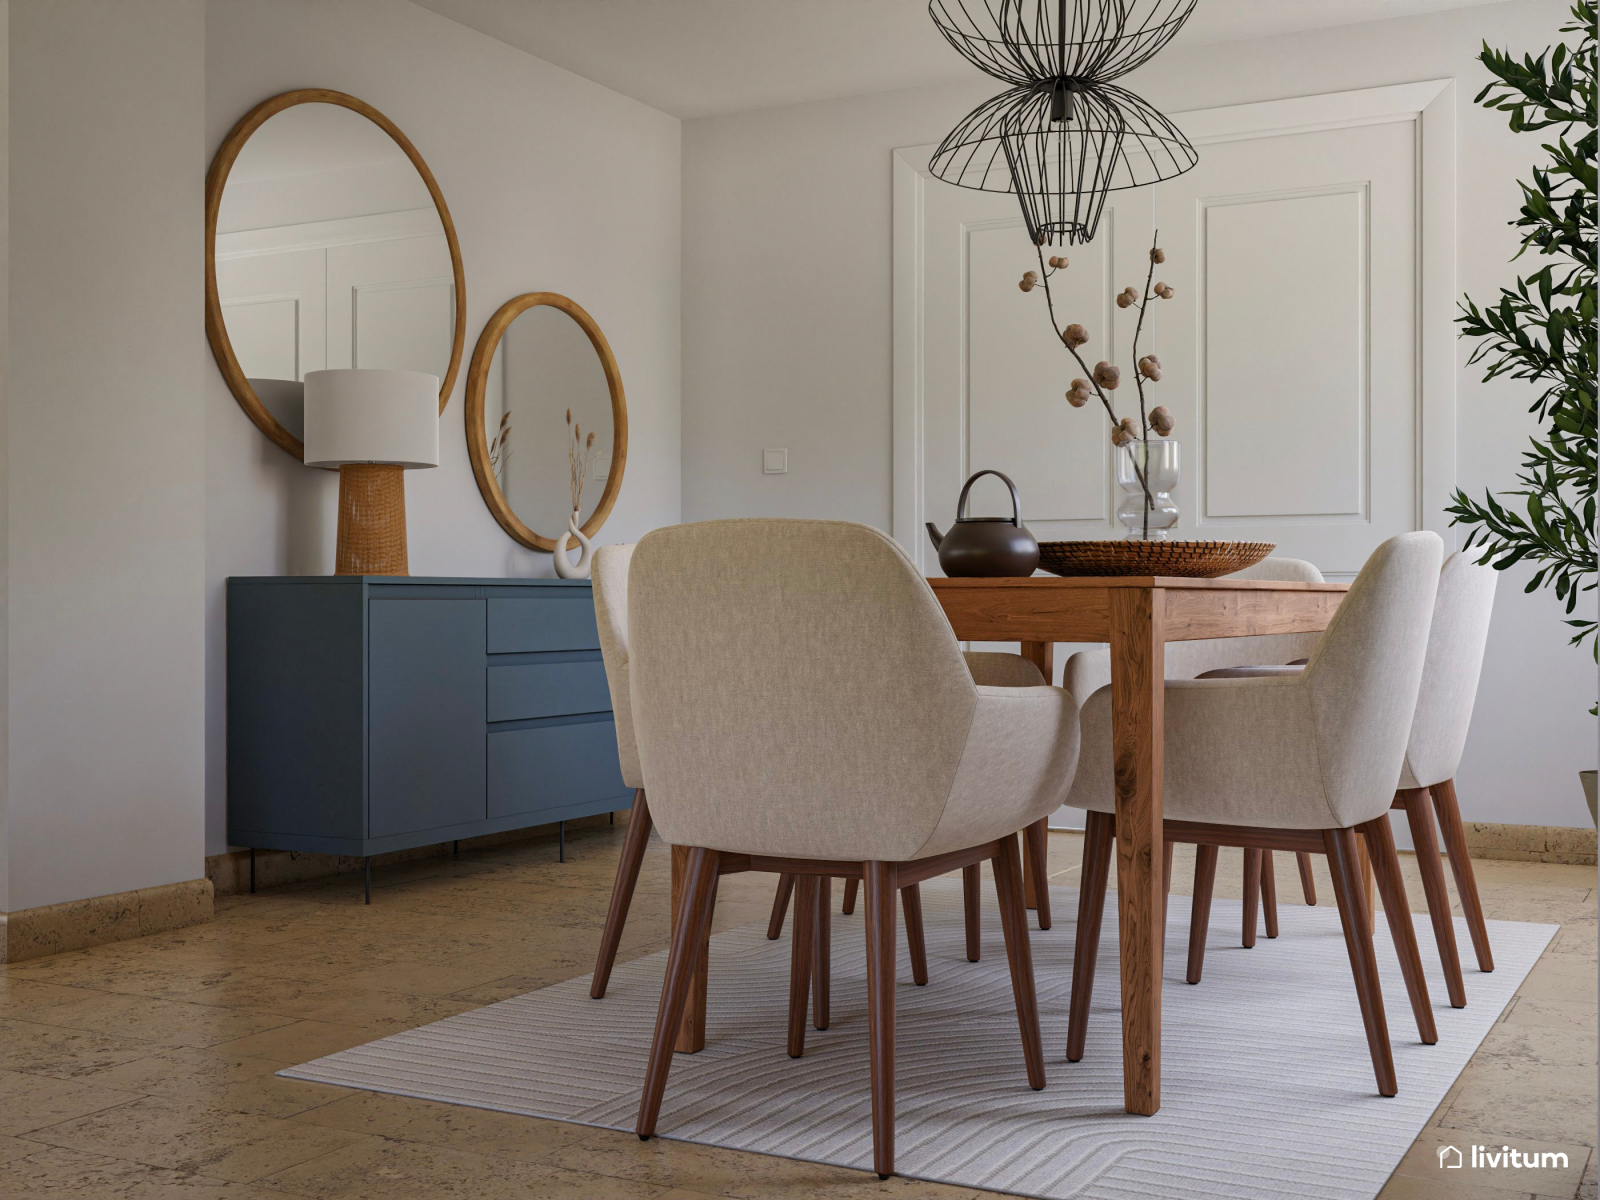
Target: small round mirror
x: 328, y: 245
x: 547, y: 424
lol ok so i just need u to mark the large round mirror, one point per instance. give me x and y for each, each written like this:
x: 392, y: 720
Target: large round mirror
x: 328, y: 244
x: 547, y: 424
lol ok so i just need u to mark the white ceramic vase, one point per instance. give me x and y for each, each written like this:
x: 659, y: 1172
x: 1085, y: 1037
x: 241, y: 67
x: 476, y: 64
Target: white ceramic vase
x: 565, y: 568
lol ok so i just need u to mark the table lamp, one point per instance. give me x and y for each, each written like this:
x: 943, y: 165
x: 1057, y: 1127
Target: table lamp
x: 372, y: 425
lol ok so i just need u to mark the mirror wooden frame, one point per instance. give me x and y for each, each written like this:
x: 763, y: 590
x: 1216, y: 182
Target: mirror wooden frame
x: 216, y: 181
x: 478, y: 438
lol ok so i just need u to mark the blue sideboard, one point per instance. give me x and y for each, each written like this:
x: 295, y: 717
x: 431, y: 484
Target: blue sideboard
x: 377, y: 713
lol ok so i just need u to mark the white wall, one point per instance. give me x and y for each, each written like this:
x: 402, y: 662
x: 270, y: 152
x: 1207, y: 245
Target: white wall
x: 555, y: 184
x: 787, y: 327
x: 105, y: 449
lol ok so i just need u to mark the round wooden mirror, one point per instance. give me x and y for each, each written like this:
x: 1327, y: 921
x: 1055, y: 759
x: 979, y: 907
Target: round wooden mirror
x: 546, y: 418
x: 328, y: 244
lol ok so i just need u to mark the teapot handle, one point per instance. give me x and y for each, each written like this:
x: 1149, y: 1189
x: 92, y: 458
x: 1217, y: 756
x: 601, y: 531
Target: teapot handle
x: 1016, y: 504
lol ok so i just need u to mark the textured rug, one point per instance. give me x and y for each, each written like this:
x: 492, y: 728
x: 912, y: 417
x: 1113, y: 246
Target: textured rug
x: 1267, y: 1088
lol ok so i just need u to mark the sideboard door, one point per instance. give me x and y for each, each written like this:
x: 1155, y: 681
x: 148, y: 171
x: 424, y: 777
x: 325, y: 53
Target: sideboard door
x: 428, y: 711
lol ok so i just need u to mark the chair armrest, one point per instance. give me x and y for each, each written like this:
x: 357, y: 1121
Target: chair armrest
x: 1239, y: 751
x: 1253, y: 672
x: 997, y: 669
x: 1017, y: 764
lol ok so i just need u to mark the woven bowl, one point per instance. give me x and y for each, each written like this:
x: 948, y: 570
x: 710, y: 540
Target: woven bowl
x: 1194, y: 560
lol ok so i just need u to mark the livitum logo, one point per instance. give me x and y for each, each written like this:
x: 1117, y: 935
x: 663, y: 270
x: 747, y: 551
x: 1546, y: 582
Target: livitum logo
x: 1452, y: 1159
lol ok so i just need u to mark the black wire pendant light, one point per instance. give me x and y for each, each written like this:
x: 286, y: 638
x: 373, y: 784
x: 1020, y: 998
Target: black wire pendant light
x: 1063, y: 135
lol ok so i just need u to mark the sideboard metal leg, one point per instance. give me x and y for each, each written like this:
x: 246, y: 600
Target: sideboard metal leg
x: 561, y: 837
x: 455, y: 847
x: 367, y: 861
x: 611, y: 818
x: 252, y: 870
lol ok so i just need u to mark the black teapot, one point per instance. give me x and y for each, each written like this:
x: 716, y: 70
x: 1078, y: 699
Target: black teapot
x: 992, y: 546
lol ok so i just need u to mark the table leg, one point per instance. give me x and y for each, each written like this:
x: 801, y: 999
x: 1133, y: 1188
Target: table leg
x: 692, y: 1030
x: 1043, y: 656
x: 1138, y: 651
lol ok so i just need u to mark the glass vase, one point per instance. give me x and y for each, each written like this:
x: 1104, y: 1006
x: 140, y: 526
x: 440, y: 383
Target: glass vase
x: 1147, y: 472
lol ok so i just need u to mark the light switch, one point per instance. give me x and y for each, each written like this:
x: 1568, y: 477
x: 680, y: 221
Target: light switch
x: 775, y: 462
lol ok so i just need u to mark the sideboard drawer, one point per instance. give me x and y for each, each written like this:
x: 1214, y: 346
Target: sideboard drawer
x: 553, y: 767
x: 522, y: 691
x: 542, y: 623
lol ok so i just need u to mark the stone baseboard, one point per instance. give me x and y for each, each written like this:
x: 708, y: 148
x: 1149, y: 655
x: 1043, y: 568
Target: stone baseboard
x: 78, y: 924
x: 230, y: 873
x: 1532, y: 843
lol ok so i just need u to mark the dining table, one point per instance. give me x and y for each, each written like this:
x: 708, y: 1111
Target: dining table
x: 1136, y: 615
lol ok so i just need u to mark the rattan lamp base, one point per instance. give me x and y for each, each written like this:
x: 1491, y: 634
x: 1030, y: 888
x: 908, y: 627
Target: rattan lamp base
x: 372, y: 520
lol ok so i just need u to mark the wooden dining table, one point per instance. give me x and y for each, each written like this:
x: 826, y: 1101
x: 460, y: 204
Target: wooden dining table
x: 1137, y: 616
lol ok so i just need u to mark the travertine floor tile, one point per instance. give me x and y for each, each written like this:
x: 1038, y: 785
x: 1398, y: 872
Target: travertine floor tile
x: 190, y: 1136
x: 149, y: 1019
x: 475, y: 1130
x: 301, y: 1040
x: 73, y: 1175
x: 229, y: 1081
x: 63, y: 1053
x: 32, y: 1101
x: 395, y: 1168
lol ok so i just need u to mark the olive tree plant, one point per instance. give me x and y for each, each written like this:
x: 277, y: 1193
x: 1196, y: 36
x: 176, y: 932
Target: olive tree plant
x: 1542, y: 329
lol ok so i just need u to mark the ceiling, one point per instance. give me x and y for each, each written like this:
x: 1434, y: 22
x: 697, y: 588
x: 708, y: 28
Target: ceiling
x: 697, y: 58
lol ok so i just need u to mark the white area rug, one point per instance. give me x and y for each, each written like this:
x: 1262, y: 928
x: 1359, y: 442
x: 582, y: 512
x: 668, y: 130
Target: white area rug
x: 1267, y: 1087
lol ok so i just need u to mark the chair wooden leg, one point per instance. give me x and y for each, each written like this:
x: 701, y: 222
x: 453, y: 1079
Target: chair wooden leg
x: 822, y: 965
x: 1379, y: 837
x: 1269, y: 895
x: 1419, y: 817
x: 688, y: 937
x: 1166, y: 883
x: 692, y: 1033
x: 1205, y: 878
x: 878, y: 884
x: 1344, y: 865
x: 780, y: 906
x: 851, y: 887
x: 1098, y: 831
x: 633, y: 847
x: 972, y: 909
x: 1019, y: 954
x: 1455, y: 845
x: 1036, y: 870
x: 1308, y: 885
x: 802, y: 956
x: 911, y: 899
x: 1365, y: 855
x: 1252, y: 896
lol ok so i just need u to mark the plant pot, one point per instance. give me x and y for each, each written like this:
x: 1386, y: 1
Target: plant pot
x: 1588, y: 779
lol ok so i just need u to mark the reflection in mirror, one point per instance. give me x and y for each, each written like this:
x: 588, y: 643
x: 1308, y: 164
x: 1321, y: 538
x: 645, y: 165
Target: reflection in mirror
x: 330, y: 252
x: 544, y: 368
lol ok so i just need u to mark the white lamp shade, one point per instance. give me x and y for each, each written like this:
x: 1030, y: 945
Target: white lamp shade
x: 369, y: 416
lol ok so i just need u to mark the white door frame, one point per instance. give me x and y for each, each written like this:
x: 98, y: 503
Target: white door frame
x: 1429, y: 105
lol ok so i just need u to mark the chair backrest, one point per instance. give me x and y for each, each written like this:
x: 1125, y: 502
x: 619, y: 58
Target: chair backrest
x: 1364, y: 676
x: 790, y: 676
x: 609, y: 575
x: 1450, y: 670
x: 1282, y: 570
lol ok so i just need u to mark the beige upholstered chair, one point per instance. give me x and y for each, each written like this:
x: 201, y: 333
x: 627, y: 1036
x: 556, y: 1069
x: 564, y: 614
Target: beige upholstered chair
x: 1292, y: 760
x: 610, y: 586
x: 1088, y: 671
x: 1450, y: 670
x: 801, y: 704
x: 609, y: 576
